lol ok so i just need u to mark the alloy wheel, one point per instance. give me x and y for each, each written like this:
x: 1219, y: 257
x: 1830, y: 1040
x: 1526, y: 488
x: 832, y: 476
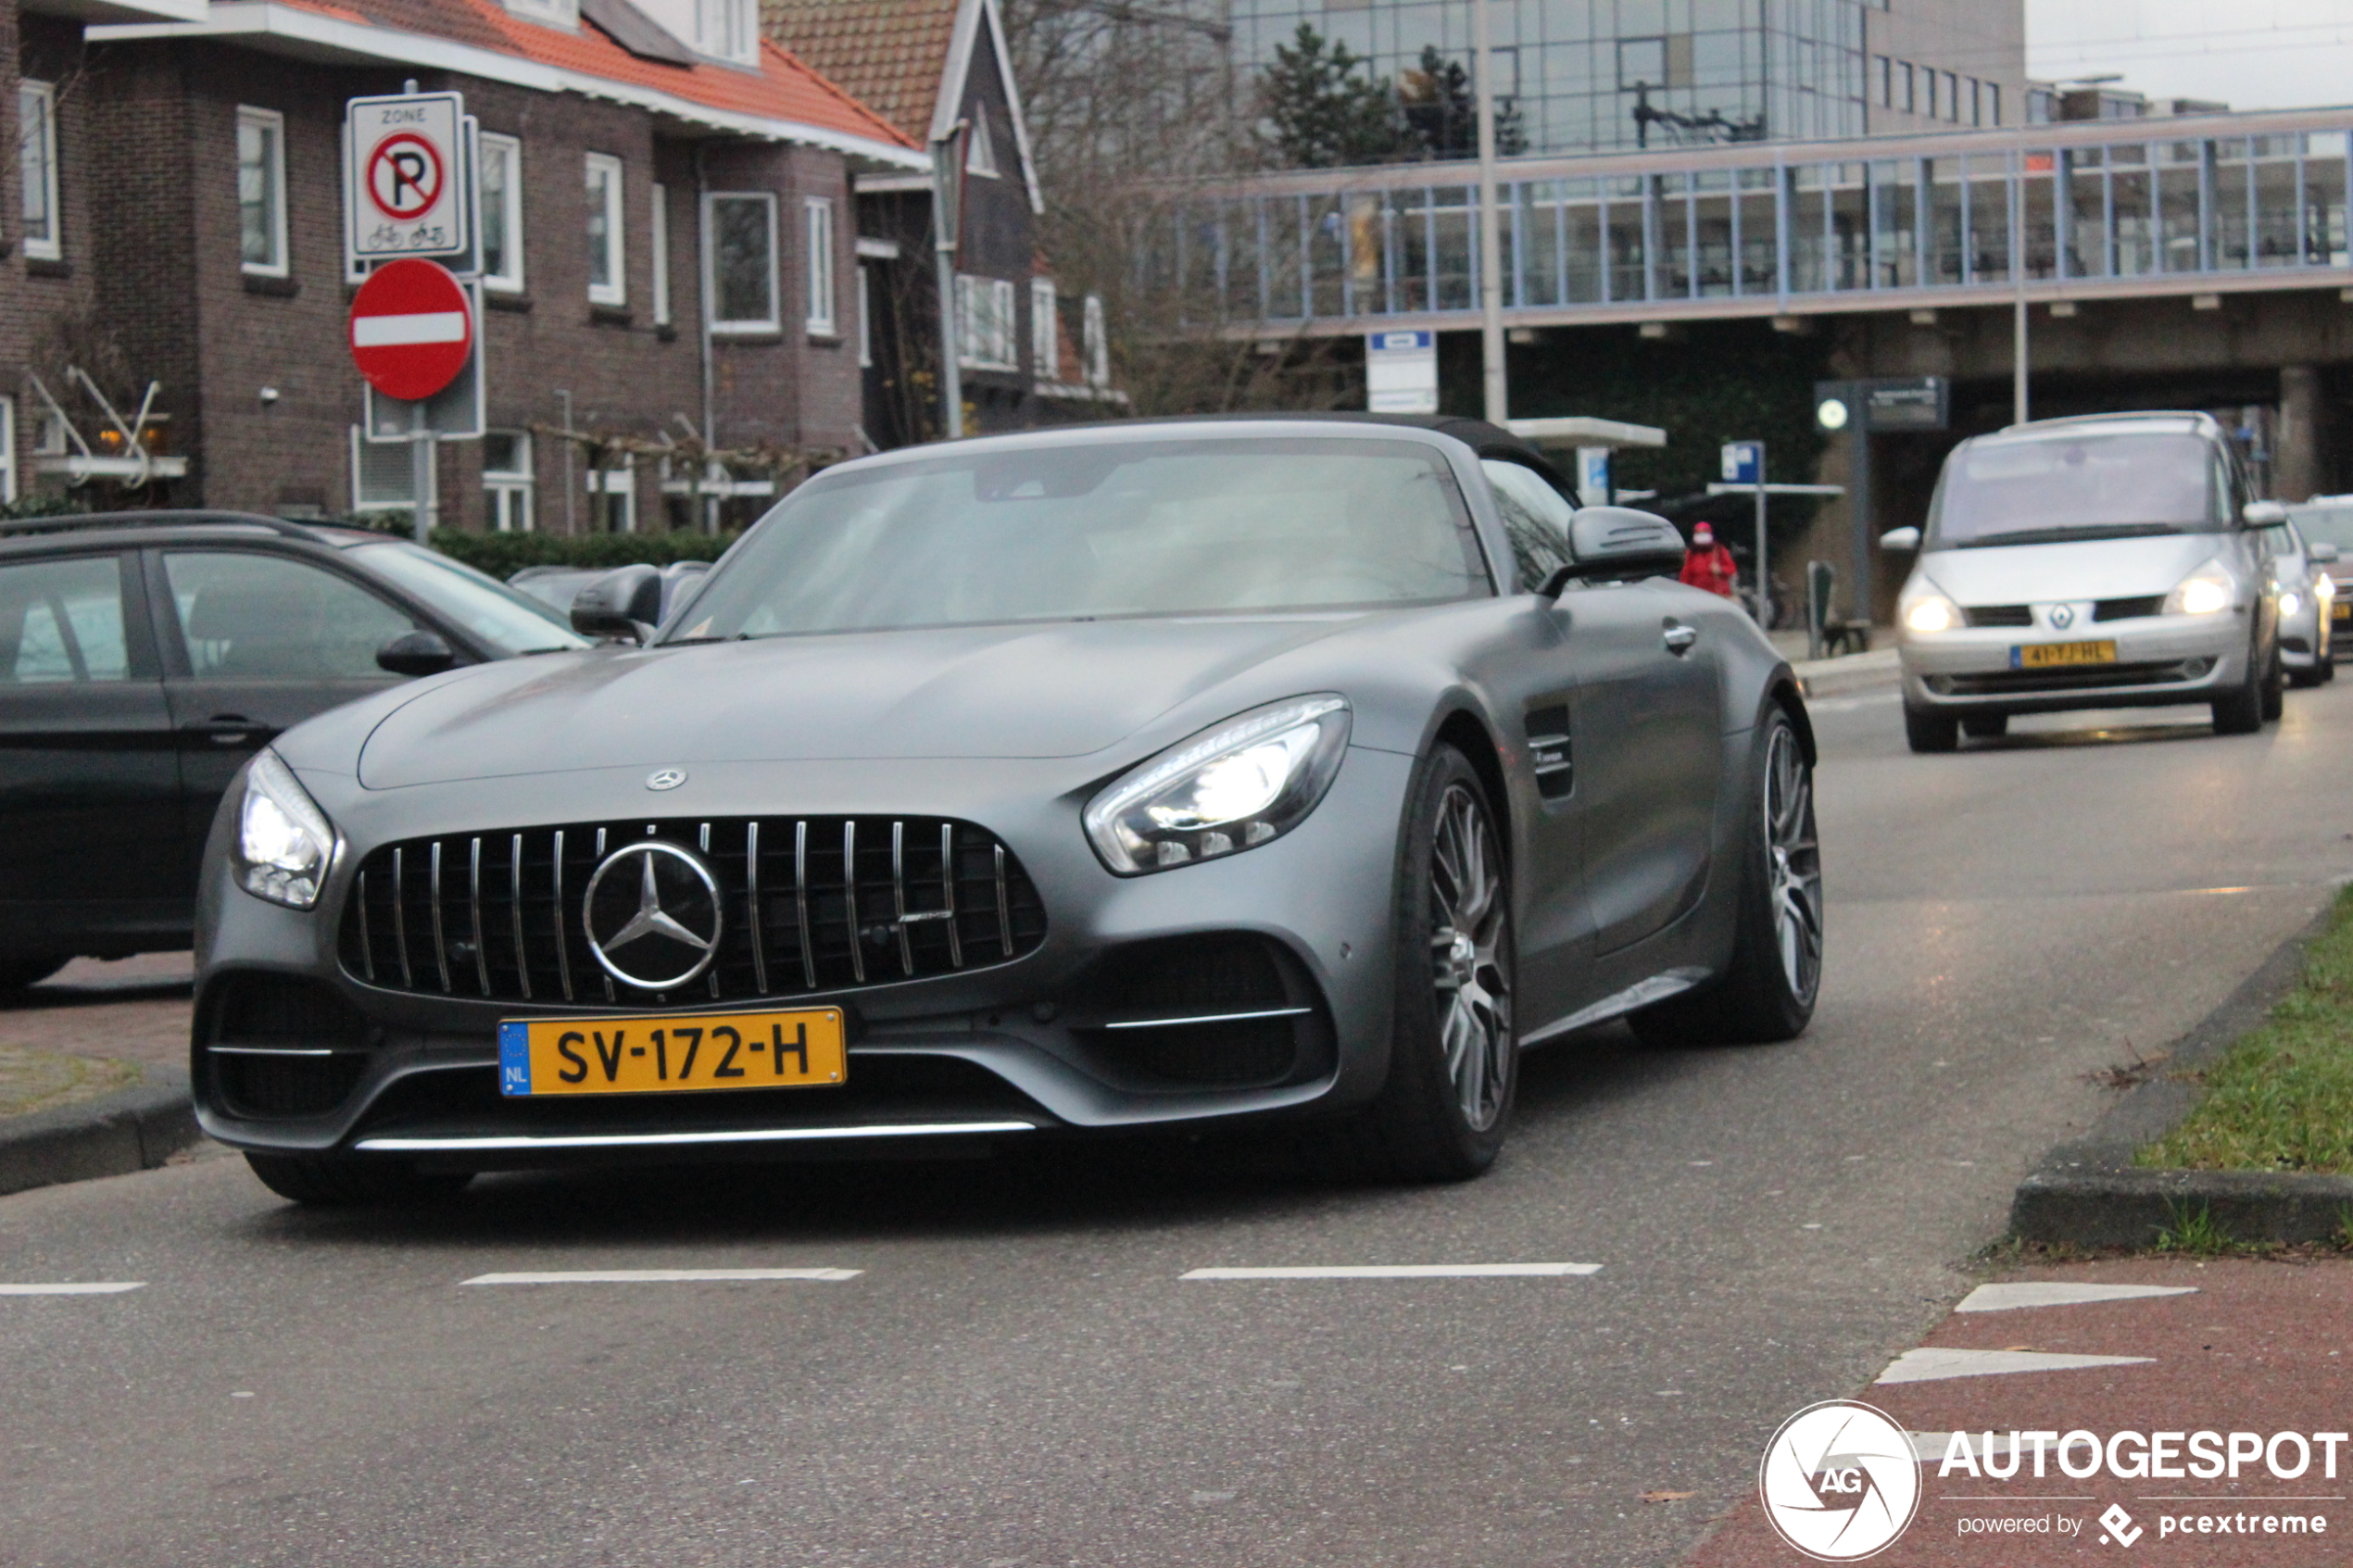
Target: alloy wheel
x: 1793, y: 863
x: 1470, y: 936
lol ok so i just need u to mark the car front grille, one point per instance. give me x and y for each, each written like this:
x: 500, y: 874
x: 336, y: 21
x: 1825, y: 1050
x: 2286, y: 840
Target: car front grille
x: 808, y: 904
x: 2085, y: 677
x: 2128, y: 609
x: 1998, y: 615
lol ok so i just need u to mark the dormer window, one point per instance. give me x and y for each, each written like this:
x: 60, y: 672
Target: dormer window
x: 554, y: 13
x: 728, y: 30
x: 980, y: 153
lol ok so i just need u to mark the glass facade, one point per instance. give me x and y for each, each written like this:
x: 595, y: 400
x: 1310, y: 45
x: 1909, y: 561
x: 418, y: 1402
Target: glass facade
x: 1708, y: 70
x: 1663, y: 232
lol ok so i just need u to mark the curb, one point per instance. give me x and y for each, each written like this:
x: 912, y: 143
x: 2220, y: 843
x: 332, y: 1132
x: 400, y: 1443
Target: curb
x: 2087, y: 1192
x: 1826, y: 677
x: 133, y: 1129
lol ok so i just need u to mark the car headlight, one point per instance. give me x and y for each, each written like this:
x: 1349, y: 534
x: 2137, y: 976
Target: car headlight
x: 2202, y: 592
x: 1926, y: 609
x: 2323, y: 588
x: 2290, y: 603
x: 285, y: 843
x: 1234, y: 786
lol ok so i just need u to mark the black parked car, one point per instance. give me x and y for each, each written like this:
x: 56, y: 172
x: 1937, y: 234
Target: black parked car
x: 144, y: 657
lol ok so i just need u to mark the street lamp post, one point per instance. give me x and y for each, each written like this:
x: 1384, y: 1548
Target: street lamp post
x: 1491, y: 271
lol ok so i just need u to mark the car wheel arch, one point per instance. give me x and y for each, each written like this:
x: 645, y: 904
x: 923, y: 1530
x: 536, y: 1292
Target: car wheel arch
x: 1786, y: 694
x: 1466, y: 732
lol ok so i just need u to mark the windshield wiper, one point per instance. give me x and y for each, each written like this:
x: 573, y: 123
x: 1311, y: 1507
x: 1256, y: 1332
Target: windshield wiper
x: 2063, y: 535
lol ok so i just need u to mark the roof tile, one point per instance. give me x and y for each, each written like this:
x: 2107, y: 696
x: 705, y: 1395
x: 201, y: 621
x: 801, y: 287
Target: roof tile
x: 888, y: 54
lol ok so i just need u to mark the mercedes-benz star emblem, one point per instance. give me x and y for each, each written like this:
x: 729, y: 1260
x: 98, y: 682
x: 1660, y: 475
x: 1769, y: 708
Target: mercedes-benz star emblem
x: 2062, y: 616
x: 663, y: 912
x: 665, y: 778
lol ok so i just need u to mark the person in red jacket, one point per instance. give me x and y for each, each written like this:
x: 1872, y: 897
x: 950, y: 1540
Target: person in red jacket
x: 1709, y: 564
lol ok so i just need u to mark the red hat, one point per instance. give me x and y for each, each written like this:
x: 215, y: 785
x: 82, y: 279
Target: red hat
x: 1702, y: 534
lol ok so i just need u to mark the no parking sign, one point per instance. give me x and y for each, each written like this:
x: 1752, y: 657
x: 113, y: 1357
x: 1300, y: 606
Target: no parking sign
x: 406, y: 179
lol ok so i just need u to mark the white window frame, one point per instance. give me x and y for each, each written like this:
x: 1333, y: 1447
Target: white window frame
x: 658, y: 251
x: 616, y: 292
x: 1095, y: 343
x: 1045, y: 332
x: 728, y: 30
x: 721, y: 325
x: 621, y: 482
x: 509, y: 491
x: 865, y: 317
x: 986, y: 337
x: 7, y: 449
x: 980, y: 149
x: 51, y: 245
x: 274, y: 124
x: 817, y: 228
x: 510, y: 278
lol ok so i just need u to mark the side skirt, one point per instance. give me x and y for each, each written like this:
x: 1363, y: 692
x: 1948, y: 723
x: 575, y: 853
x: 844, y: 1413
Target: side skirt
x: 1641, y: 993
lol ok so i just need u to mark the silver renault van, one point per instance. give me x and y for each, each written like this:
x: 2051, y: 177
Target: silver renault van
x: 2109, y: 561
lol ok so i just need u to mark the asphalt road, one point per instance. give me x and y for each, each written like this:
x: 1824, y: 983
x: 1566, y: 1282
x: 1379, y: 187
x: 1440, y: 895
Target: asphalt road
x: 1018, y: 1374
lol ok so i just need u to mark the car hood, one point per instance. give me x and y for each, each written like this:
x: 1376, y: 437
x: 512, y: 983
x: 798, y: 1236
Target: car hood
x: 2086, y: 569
x: 1064, y: 690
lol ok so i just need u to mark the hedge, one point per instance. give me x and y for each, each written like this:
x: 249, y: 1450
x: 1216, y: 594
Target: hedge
x: 503, y: 555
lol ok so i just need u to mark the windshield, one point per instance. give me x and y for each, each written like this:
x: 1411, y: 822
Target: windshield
x: 510, y: 622
x: 2079, y: 487
x: 2326, y: 525
x: 1081, y: 532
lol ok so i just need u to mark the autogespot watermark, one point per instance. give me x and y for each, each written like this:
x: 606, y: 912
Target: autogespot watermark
x: 1840, y: 1482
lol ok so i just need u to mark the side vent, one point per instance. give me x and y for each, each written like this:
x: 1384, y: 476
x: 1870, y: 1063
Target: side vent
x: 1549, y: 753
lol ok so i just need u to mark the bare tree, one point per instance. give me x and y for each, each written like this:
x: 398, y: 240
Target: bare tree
x: 1132, y: 106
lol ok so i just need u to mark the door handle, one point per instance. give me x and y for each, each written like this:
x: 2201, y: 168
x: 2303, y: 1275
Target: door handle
x: 1678, y: 638
x: 225, y: 729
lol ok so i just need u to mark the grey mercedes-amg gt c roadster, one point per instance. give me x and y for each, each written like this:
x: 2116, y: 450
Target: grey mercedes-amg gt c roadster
x: 1261, y: 770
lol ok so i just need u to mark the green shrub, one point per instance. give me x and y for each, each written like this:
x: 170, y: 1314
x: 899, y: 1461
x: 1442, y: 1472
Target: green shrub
x: 503, y: 555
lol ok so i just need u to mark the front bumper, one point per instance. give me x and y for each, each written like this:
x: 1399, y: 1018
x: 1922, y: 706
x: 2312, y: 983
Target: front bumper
x: 2159, y: 659
x: 1031, y: 1045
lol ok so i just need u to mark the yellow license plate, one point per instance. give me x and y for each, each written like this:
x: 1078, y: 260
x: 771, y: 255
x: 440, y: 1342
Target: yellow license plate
x: 673, y: 1052
x: 2045, y: 656
x: 2341, y: 610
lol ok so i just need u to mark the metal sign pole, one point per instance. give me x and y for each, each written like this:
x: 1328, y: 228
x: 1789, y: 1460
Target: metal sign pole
x: 947, y: 180
x: 1491, y: 267
x: 1763, y: 574
x: 420, y: 474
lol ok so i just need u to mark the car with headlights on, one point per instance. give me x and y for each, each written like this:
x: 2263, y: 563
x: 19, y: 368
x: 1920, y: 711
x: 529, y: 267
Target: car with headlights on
x: 1151, y: 776
x: 146, y: 656
x: 2112, y: 560
x: 2307, y: 594
x: 2325, y: 524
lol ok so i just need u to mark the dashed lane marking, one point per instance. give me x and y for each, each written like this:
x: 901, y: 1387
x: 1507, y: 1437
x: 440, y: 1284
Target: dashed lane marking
x: 658, y: 1276
x: 2057, y: 1293
x: 97, y: 1288
x: 1934, y: 1364
x: 1403, y: 1271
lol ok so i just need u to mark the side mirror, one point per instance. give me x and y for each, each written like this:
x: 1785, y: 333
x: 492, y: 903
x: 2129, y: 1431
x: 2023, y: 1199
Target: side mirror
x: 2321, y: 554
x: 416, y: 653
x: 1618, y: 543
x: 625, y: 602
x: 2264, y: 514
x: 1900, y: 539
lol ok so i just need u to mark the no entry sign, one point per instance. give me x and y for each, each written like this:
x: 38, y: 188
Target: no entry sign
x: 411, y: 331
x: 407, y: 186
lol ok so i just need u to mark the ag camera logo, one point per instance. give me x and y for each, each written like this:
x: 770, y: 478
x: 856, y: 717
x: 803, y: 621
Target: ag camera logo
x: 1840, y: 1480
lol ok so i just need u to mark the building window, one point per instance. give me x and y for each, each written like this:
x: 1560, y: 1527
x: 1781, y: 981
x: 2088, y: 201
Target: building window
x: 1952, y: 97
x: 1045, y: 332
x: 384, y: 474
x: 507, y: 480
x: 740, y: 239
x: 1993, y: 103
x: 980, y: 153
x: 657, y: 247
x: 615, y: 503
x: 7, y: 449
x: 608, y: 279
x: 1883, y: 69
x: 985, y: 324
x: 819, y: 211
x: 37, y: 165
x: 501, y: 213
x: 261, y: 191
x: 866, y: 318
x: 728, y: 29
x: 1905, y: 88
x: 1095, y: 343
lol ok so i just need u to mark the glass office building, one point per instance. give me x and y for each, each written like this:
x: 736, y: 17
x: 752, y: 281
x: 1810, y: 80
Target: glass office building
x: 1606, y: 75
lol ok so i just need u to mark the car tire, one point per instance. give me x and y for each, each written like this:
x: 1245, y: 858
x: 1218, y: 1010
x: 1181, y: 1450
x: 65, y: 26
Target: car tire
x: 2241, y: 712
x: 2274, y: 687
x: 1767, y: 991
x: 1453, y: 1057
x: 2326, y: 670
x: 1986, y: 726
x: 21, y: 970
x: 1927, y: 729
x: 326, y: 1182
x: 2301, y: 679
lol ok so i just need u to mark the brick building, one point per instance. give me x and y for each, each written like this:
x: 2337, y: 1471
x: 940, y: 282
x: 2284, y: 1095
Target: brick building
x: 666, y: 216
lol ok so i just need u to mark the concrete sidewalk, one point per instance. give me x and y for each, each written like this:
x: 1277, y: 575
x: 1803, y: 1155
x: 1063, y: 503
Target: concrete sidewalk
x: 2232, y: 1346
x: 92, y: 1071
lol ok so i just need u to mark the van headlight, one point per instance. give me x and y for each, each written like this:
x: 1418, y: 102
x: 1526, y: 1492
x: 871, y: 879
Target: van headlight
x: 1234, y: 786
x: 284, y: 844
x: 2204, y: 592
x: 1926, y: 609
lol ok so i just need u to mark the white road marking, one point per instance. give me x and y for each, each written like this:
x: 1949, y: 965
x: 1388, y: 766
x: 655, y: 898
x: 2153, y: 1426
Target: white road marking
x: 2057, y: 1293
x: 1403, y: 1271
x: 1931, y: 1365
x: 102, y: 1287
x: 657, y: 1276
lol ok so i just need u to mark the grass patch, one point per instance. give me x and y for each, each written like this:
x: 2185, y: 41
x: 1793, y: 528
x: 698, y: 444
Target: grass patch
x: 2194, y: 1231
x: 2281, y: 1099
x: 32, y: 1080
